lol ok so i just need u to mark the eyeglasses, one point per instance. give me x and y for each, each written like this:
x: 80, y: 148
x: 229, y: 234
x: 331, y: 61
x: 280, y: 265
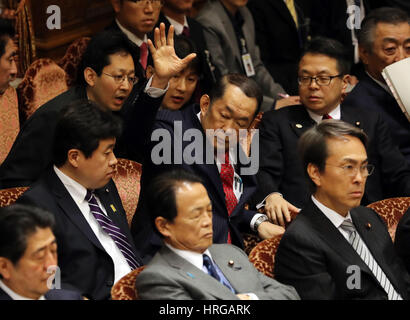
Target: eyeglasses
x: 351, y: 171
x: 144, y: 3
x: 120, y: 79
x: 320, y: 81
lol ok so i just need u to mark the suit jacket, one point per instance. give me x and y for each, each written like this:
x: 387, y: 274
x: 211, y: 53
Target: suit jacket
x: 84, y: 263
x: 31, y: 153
x: 314, y: 257
x: 280, y: 42
x: 372, y: 98
x: 196, y: 35
x: 54, y: 294
x: 402, y: 239
x: 147, y: 241
x: 169, y: 276
x: 222, y: 43
x: 281, y: 169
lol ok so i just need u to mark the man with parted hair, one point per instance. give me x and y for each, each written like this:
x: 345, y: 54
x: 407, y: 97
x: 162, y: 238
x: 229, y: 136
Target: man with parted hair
x: 231, y: 107
x: 384, y: 38
x: 189, y: 266
x: 28, y: 255
x: 323, y: 77
x: 336, y: 249
x: 95, y: 244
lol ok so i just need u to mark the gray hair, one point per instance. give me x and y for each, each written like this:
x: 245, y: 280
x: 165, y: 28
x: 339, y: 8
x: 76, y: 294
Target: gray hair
x: 312, y: 145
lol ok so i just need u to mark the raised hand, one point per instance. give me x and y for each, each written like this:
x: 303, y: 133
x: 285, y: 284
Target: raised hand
x: 166, y: 62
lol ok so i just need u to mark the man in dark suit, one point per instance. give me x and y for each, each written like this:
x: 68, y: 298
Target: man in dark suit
x: 189, y: 266
x: 8, y: 51
x: 281, y: 38
x: 93, y: 237
x: 28, y: 256
x: 402, y: 239
x: 213, y: 155
x: 322, y: 80
x: 136, y: 19
x: 174, y: 12
x: 384, y: 39
x: 335, y: 249
x: 106, y: 76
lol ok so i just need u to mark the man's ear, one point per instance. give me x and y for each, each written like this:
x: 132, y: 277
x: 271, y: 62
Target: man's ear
x: 116, y: 5
x: 204, y: 103
x: 162, y: 226
x: 90, y: 76
x: 5, y: 268
x: 345, y: 82
x: 314, y: 174
x: 73, y: 157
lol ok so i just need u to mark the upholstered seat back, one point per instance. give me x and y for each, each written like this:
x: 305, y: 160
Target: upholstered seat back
x: 43, y: 81
x: 124, y: 289
x: 9, y: 196
x: 9, y: 121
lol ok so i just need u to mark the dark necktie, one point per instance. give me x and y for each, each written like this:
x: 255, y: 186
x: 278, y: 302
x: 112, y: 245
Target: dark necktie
x: 227, y: 174
x: 210, y: 266
x: 186, y: 32
x: 326, y: 116
x: 144, y: 55
x: 112, y: 230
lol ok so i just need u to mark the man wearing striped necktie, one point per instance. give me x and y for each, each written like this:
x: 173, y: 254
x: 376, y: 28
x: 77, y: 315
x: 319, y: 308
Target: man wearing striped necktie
x: 336, y: 249
x: 94, y: 241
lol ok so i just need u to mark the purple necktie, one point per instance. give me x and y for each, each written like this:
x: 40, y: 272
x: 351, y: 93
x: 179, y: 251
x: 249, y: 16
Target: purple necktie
x: 112, y: 230
x: 186, y: 32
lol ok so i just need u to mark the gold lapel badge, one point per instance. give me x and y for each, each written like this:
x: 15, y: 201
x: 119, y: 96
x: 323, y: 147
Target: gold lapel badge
x: 113, y: 208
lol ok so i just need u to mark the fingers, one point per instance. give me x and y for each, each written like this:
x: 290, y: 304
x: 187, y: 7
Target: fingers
x: 156, y: 38
x: 170, y: 39
x: 163, y: 38
x: 151, y: 47
x: 187, y: 60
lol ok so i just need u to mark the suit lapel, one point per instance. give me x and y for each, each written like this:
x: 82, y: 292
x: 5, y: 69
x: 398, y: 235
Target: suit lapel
x: 281, y: 7
x: 192, y: 274
x: 300, y: 121
x: 70, y: 209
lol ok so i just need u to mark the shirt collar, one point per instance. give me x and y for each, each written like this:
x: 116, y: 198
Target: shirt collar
x: 194, y: 258
x: 332, y: 215
x: 178, y: 28
x: 13, y: 295
x: 381, y: 84
x: 132, y: 37
x: 76, y: 190
x: 335, y: 114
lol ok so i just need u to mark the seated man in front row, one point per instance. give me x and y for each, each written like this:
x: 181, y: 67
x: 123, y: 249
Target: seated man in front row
x: 335, y: 249
x: 94, y: 240
x: 189, y: 266
x: 28, y: 253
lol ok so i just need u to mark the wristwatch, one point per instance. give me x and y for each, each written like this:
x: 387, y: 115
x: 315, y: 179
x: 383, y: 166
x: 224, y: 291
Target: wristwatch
x: 258, y: 221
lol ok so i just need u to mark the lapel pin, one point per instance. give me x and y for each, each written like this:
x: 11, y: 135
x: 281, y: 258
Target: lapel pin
x: 230, y: 263
x: 113, y: 208
x: 357, y: 123
x: 190, y: 275
x: 368, y: 226
x: 299, y: 126
x: 106, y: 190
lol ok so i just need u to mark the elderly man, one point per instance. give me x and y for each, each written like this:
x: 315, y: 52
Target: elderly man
x: 8, y: 51
x: 384, y: 38
x: 189, y: 266
x: 204, y: 139
x: 28, y: 256
x: 336, y: 249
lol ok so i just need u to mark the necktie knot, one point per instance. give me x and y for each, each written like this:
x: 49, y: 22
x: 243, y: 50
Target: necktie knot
x: 326, y: 116
x: 348, y: 226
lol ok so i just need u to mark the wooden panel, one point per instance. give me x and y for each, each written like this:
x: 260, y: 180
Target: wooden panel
x: 79, y: 18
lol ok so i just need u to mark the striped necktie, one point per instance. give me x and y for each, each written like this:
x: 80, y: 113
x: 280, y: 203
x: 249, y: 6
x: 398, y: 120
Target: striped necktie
x: 112, y: 230
x: 292, y: 9
x: 227, y: 174
x: 364, y: 253
x: 212, y: 271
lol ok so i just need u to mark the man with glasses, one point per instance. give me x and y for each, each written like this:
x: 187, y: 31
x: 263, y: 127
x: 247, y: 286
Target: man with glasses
x: 136, y: 19
x: 335, y: 248
x: 282, y: 190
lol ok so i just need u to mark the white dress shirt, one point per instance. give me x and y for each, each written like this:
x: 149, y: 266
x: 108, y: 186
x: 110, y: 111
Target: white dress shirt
x: 78, y: 193
x: 335, y: 114
x: 15, y: 296
x: 178, y: 28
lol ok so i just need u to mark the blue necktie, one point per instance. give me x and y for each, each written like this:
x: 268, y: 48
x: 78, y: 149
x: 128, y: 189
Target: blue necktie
x: 112, y: 230
x: 211, y: 267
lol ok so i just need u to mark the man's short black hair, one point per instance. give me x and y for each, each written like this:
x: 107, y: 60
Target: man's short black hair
x: 82, y: 125
x: 380, y: 15
x: 331, y: 48
x: 17, y: 223
x: 6, y: 32
x: 99, y: 49
x: 160, y: 195
x: 247, y: 85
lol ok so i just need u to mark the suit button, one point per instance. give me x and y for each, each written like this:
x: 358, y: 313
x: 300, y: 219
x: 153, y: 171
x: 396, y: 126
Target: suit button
x: 110, y: 283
